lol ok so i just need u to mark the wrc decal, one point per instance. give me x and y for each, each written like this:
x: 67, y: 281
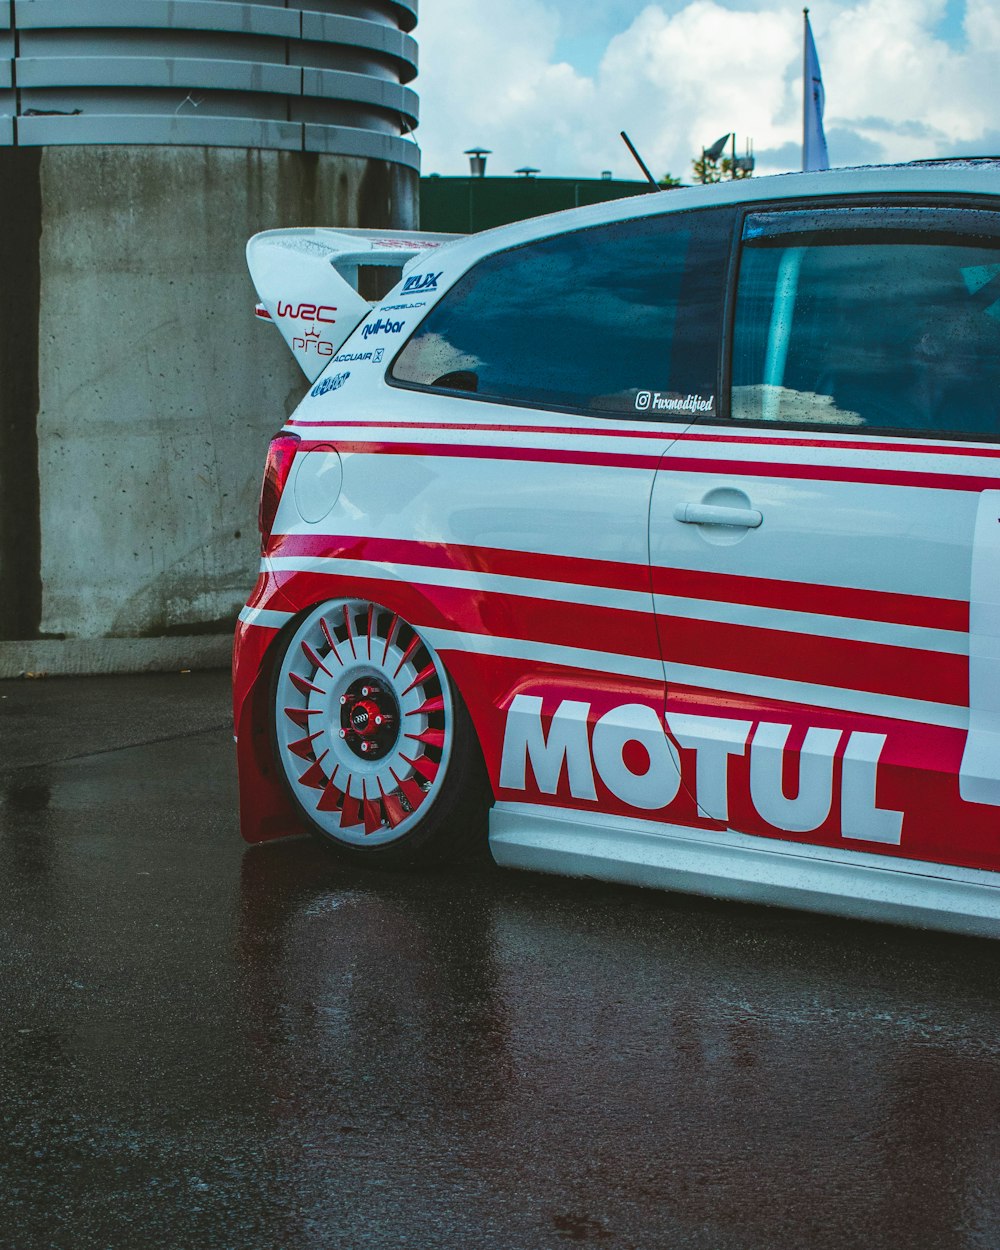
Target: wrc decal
x: 632, y: 750
x: 307, y: 312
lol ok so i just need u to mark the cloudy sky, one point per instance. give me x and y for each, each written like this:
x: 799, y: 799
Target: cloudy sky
x: 550, y: 83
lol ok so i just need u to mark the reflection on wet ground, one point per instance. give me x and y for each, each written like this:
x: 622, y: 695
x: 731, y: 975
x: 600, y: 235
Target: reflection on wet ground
x: 207, y: 1045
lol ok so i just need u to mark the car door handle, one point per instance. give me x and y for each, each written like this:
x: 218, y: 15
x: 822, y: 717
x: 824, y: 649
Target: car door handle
x: 713, y: 514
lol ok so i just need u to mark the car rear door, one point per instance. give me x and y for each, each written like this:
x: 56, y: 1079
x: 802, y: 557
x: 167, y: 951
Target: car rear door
x: 825, y: 562
x: 544, y: 386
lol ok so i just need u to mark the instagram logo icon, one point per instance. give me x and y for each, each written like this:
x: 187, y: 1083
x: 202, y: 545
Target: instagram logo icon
x: 642, y: 400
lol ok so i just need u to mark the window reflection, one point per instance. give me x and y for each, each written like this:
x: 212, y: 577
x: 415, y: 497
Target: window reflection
x: 899, y: 335
x: 586, y: 320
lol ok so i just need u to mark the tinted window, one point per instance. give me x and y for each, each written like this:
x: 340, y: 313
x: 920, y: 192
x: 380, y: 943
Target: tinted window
x: 616, y: 319
x: 895, y: 324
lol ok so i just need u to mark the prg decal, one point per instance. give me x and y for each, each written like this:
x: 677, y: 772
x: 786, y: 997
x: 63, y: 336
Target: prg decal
x: 311, y: 341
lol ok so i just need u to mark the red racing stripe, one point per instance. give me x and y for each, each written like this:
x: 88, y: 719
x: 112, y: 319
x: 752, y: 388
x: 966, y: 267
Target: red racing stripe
x: 849, y: 602
x: 924, y: 448
x: 618, y: 631
x: 846, y: 664
x: 622, y: 460
x: 473, y: 451
x: 842, y: 601
x: 574, y: 570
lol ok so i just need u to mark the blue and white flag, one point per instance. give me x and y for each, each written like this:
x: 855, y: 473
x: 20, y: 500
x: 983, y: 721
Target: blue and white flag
x: 814, y: 154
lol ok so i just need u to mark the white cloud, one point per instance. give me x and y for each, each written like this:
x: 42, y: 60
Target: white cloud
x: 678, y: 75
x: 493, y: 80
x: 680, y: 82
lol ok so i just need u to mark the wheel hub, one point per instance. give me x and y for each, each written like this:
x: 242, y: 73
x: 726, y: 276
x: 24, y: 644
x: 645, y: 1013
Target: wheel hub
x: 369, y: 719
x: 363, y: 722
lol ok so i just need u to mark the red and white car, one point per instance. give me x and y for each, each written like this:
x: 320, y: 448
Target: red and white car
x: 667, y: 531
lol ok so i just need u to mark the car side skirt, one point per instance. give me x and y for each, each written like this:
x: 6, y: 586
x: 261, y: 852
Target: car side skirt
x: 740, y: 867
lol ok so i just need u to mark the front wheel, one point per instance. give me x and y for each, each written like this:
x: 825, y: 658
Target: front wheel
x: 376, y: 747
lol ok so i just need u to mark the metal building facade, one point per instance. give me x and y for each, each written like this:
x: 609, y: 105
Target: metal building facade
x: 306, y: 77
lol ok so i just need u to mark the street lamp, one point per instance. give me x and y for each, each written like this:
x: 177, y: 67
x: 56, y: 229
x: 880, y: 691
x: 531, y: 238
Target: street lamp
x: 477, y: 160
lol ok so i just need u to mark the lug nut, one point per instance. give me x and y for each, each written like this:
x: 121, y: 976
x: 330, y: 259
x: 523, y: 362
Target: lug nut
x: 343, y: 733
x: 343, y: 699
x: 364, y: 747
x: 378, y: 720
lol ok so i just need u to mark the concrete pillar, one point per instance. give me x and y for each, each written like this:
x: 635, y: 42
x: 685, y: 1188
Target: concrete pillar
x: 20, y: 531
x: 138, y: 391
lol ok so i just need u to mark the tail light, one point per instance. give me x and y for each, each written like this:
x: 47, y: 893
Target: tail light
x: 277, y: 467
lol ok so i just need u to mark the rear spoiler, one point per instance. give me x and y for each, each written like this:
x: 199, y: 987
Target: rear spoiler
x: 307, y: 280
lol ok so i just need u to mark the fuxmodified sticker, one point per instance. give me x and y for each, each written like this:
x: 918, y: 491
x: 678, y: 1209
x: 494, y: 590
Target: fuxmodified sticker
x: 658, y: 402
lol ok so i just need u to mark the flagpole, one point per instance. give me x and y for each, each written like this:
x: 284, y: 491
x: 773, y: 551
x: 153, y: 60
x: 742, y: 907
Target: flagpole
x: 805, y: 73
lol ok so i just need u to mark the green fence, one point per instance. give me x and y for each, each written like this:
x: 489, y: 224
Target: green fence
x: 466, y: 205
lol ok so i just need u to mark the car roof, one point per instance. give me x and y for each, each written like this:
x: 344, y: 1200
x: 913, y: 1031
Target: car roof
x: 976, y: 175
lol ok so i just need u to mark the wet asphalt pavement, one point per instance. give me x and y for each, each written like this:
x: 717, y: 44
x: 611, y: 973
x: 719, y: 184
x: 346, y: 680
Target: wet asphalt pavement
x: 205, y: 1045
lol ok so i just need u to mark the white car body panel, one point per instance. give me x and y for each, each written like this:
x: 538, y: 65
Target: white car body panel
x: 307, y: 280
x: 734, y: 866
x: 851, y: 639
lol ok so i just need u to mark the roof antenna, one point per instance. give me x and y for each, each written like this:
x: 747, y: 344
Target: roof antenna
x: 640, y: 162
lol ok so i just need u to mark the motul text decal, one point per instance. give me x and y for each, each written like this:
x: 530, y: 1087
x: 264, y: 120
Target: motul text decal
x: 630, y: 752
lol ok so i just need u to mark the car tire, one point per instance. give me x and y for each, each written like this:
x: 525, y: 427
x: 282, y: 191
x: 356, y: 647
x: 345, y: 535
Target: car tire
x: 373, y: 741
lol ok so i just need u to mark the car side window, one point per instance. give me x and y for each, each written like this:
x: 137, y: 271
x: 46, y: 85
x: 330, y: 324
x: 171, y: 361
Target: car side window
x: 622, y: 318
x: 870, y: 317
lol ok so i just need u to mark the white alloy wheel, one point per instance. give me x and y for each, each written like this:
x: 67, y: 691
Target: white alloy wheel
x: 364, y: 723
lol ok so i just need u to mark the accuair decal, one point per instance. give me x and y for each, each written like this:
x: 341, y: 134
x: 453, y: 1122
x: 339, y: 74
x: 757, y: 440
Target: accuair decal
x: 373, y: 357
